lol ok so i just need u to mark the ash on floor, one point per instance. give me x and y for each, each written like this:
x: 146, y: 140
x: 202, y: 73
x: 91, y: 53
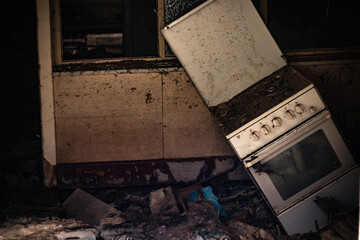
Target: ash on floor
x: 31, y: 211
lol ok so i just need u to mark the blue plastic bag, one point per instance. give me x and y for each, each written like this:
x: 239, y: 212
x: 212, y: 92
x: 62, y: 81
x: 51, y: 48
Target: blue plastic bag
x: 210, y: 196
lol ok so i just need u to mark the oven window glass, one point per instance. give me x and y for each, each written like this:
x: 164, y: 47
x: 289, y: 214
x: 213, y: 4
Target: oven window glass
x: 302, y: 165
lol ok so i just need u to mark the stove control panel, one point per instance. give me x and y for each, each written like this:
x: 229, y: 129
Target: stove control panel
x: 276, y: 122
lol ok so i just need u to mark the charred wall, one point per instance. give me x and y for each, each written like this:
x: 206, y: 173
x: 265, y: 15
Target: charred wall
x: 20, y: 108
x: 132, y: 116
x: 20, y: 151
x: 339, y: 86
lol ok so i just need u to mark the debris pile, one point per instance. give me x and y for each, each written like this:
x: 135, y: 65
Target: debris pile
x: 40, y: 229
x: 192, y: 212
x: 84, y: 207
x: 232, y: 209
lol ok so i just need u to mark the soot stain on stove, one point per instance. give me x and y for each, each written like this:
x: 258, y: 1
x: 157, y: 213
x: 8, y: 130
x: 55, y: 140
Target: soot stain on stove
x: 258, y: 98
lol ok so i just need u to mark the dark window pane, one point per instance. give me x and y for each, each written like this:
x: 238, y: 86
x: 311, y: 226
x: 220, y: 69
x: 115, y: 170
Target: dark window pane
x: 108, y: 28
x: 303, y: 164
x: 175, y: 9
x: 310, y: 24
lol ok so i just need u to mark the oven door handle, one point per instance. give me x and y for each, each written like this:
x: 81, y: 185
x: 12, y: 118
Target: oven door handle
x: 290, y: 135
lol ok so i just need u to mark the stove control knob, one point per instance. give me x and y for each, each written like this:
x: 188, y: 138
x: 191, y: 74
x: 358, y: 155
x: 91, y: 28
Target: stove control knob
x: 312, y: 109
x: 299, y: 108
x: 289, y: 114
x: 255, y: 136
x: 265, y: 129
x: 277, y: 122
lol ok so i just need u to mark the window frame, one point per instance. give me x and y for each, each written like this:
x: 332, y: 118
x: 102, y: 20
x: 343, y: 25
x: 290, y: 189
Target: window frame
x: 56, y: 39
x: 316, y: 55
x: 301, y: 56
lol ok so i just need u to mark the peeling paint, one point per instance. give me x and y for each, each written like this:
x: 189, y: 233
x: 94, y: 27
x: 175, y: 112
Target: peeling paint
x: 147, y: 178
x: 162, y: 177
x: 130, y: 173
x: 117, y: 181
x: 222, y: 166
x: 186, y: 172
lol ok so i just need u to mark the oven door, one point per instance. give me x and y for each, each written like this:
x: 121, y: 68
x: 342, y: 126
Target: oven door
x: 301, y: 162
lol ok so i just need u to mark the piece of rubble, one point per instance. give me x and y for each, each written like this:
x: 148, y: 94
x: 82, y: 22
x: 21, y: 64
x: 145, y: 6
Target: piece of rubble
x: 163, y: 200
x: 108, y: 221
x: 135, y: 214
x: 85, y: 207
x: 133, y: 199
x: 199, y: 221
x: 184, y: 193
x: 86, y: 234
x: 124, y: 237
x: 35, y: 229
x: 248, y: 232
x: 236, y: 195
x: 111, y: 234
x: 201, y: 206
x: 211, y: 235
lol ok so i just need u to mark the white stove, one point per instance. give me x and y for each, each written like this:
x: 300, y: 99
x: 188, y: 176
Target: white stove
x: 273, y: 117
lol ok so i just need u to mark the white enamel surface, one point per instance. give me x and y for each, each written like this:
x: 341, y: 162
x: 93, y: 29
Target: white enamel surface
x: 301, y: 218
x: 338, y: 145
x: 242, y: 142
x: 225, y: 47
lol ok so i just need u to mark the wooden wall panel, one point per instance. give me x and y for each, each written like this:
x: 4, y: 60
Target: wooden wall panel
x: 108, y: 117
x: 189, y: 128
x: 121, y: 95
